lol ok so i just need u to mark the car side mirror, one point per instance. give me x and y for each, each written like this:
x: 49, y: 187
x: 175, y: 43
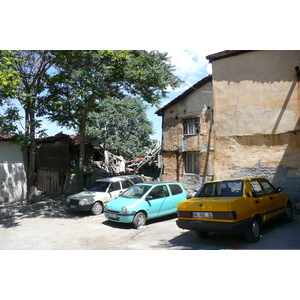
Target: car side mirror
x: 279, y: 189
x: 149, y: 198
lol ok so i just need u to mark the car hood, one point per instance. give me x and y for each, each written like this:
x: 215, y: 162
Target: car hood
x: 87, y: 194
x: 208, y: 204
x: 119, y: 202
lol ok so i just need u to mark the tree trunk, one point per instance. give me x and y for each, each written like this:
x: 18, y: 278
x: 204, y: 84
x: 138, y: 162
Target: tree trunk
x: 31, y: 173
x: 81, y: 152
x: 30, y: 164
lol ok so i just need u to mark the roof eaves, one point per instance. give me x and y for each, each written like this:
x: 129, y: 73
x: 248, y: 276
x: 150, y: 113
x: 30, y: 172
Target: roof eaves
x: 196, y: 86
x: 224, y: 54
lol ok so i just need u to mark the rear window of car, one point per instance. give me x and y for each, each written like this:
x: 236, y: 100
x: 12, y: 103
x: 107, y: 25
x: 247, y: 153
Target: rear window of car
x: 232, y: 188
x: 175, y: 189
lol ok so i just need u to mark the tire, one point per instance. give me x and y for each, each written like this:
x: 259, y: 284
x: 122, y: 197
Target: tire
x: 252, y: 235
x: 201, y: 234
x: 139, y: 220
x: 97, y: 208
x: 288, y: 216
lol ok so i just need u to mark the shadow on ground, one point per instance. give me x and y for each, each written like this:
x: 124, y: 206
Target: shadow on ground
x: 55, y: 211
x: 130, y: 226
x: 277, y: 235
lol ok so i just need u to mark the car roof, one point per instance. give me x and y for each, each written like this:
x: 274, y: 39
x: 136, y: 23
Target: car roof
x: 234, y: 179
x: 117, y: 178
x: 157, y: 183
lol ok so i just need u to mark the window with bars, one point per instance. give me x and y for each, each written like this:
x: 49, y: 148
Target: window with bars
x: 192, y: 162
x: 191, y: 126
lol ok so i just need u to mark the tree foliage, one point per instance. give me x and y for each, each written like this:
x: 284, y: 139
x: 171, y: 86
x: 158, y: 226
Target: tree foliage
x: 83, y: 79
x: 67, y: 86
x: 123, y: 127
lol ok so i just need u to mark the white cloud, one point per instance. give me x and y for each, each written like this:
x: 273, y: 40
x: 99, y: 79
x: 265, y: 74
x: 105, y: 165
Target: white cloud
x: 191, y: 65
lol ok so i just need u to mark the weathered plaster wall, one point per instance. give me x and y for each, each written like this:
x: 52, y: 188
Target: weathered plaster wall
x: 175, y: 144
x: 256, y: 117
x: 12, y: 173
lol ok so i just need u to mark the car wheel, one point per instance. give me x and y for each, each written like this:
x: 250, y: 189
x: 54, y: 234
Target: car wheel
x: 139, y: 220
x: 252, y: 235
x: 201, y: 234
x: 288, y: 216
x: 97, y: 208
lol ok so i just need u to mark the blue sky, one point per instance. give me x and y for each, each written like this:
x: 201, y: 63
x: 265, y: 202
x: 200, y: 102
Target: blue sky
x: 191, y: 66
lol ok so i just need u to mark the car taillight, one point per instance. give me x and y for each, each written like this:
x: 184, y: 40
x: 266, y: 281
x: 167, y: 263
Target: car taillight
x: 225, y: 215
x: 184, y: 214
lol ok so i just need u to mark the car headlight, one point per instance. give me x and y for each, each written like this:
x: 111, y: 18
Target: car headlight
x: 124, y: 210
x: 82, y: 202
x: 68, y: 200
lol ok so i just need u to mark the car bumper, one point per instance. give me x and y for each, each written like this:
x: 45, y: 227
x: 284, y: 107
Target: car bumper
x: 119, y: 217
x: 79, y: 207
x: 204, y: 226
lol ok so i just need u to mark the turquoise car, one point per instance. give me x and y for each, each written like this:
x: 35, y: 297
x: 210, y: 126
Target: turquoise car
x: 145, y: 201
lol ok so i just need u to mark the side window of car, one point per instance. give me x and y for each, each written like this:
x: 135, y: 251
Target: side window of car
x: 257, y: 190
x: 159, y: 192
x: 268, y: 187
x: 126, y: 184
x: 175, y: 189
x: 136, y: 179
x: 115, y: 186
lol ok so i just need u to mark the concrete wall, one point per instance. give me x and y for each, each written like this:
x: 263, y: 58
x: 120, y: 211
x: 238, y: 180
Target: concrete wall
x: 257, y: 117
x: 175, y: 144
x: 12, y: 173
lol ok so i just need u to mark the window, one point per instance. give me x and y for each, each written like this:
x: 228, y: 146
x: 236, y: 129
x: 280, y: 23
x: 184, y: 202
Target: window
x: 222, y: 189
x: 159, y: 192
x: 257, y: 190
x: 126, y: 184
x: 99, y: 186
x: 268, y: 187
x: 192, y: 163
x: 114, y: 186
x: 136, y: 179
x: 175, y: 189
x: 191, y: 126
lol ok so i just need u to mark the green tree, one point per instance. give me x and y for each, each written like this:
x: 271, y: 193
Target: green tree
x: 123, y: 127
x: 27, y: 72
x: 83, y: 79
x: 9, y: 76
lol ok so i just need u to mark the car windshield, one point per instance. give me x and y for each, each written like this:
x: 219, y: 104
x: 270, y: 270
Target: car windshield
x: 99, y: 186
x: 221, y: 189
x: 136, y: 191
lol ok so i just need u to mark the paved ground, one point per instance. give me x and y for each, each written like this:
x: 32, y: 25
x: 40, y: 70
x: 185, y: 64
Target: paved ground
x: 56, y: 228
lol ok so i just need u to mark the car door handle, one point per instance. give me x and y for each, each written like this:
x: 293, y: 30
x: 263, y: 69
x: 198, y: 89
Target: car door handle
x: 256, y: 201
x: 271, y: 198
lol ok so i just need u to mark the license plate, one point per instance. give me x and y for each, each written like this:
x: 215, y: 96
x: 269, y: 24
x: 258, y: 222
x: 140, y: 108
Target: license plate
x: 202, y: 215
x: 73, y: 206
x: 112, y: 216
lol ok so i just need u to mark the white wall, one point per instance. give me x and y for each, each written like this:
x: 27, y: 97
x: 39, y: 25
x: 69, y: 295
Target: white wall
x: 12, y: 173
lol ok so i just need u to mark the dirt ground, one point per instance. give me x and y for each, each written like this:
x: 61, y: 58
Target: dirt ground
x: 55, y: 228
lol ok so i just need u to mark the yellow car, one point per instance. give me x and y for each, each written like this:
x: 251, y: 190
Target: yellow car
x: 234, y: 205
